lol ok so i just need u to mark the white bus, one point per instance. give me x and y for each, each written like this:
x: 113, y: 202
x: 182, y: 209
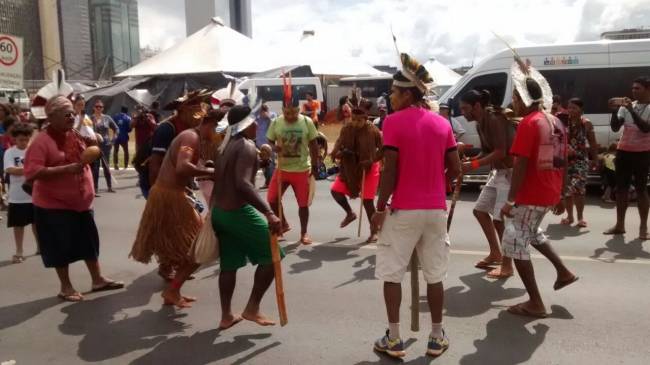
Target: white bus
x: 270, y: 90
x: 592, y: 71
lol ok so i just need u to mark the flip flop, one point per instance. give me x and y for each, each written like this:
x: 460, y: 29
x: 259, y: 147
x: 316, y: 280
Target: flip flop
x: 520, y: 310
x: 306, y: 240
x: 74, y: 297
x: 487, y: 265
x: 110, y: 285
x: 17, y: 259
x: 566, y: 221
x: 561, y: 284
x: 498, y: 274
x: 582, y: 224
x: 613, y: 231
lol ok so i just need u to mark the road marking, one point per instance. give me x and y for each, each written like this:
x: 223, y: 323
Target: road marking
x: 484, y: 253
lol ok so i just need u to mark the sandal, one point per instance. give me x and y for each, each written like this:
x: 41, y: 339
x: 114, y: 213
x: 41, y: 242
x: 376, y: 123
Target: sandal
x: 73, y: 297
x: 561, y: 284
x: 566, y: 221
x: 487, y: 264
x: 17, y: 259
x: 109, y: 285
x: 498, y: 273
x: 582, y: 224
x: 520, y: 310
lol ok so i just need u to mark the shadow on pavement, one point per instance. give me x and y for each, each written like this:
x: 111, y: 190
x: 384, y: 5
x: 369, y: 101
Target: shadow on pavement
x: 624, y: 251
x: 109, y: 330
x: 508, y: 341
x: 6, y: 263
x: 200, y: 349
x: 317, y: 255
x: 367, y: 273
x: 16, y: 314
x: 476, y: 297
x: 558, y: 231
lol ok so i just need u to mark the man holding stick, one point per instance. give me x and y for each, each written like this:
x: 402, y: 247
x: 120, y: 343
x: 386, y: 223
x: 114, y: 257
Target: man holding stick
x: 294, y: 138
x: 358, y: 149
x: 418, y: 147
x: 243, y: 234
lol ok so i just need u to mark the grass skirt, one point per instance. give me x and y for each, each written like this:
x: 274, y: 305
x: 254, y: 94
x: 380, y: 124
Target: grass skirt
x: 168, y: 226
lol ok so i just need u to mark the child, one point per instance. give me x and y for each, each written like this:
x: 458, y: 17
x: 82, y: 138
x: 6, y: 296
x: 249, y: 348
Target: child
x: 266, y: 164
x: 21, y: 210
x: 609, y: 173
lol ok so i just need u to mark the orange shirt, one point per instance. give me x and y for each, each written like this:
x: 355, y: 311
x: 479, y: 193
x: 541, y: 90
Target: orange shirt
x: 312, y: 108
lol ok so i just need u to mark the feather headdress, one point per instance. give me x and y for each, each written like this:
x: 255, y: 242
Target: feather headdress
x: 521, y: 71
x: 412, y: 73
x: 58, y: 86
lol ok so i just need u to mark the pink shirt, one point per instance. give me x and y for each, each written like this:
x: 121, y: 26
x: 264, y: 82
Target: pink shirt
x: 422, y: 139
x: 67, y: 191
x: 633, y: 139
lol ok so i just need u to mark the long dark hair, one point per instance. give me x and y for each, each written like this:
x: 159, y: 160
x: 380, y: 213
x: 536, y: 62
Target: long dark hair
x: 474, y: 96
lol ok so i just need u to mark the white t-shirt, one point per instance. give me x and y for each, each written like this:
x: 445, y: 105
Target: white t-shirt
x: 633, y: 139
x: 86, y: 129
x: 15, y: 157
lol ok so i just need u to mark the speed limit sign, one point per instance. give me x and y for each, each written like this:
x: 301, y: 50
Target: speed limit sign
x: 11, y: 61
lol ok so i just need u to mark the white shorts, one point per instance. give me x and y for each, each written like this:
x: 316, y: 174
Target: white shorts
x: 406, y: 230
x: 523, y: 230
x: 495, y: 193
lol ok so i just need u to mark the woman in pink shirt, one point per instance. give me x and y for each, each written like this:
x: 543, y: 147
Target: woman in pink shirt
x: 62, y: 195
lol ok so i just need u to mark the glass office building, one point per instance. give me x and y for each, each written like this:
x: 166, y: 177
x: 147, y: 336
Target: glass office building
x: 115, y: 36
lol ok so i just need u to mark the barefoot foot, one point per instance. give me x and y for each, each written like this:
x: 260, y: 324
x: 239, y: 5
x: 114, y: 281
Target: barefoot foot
x: 258, y: 318
x: 229, y: 321
x: 174, y: 298
x: 351, y: 217
x: 614, y: 231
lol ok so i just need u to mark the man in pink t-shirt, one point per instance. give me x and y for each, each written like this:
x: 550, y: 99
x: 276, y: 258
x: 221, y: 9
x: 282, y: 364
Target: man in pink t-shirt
x: 419, y: 150
x: 632, y: 154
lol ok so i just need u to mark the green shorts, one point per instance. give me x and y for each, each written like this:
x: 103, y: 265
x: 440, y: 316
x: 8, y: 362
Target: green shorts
x: 243, y: 235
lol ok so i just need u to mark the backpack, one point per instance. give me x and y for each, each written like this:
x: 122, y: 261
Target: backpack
x: 144, y: 152
x: 552, y: 153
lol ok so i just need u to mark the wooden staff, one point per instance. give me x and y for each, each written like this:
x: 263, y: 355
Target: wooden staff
x: 454, y: 199
x: 363, y: 183
x: 275, y: 255
x: 415, y: 293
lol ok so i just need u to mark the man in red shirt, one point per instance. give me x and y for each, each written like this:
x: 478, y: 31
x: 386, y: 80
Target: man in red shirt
x: 537, y: 185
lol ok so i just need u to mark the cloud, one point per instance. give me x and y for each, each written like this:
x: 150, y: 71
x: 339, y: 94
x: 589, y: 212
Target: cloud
x: 457, y: 33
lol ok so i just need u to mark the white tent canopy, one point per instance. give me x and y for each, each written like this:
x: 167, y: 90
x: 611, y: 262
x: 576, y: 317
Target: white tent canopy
x: 313, y: 52
x: 442, y: 75
x: 215, y: 48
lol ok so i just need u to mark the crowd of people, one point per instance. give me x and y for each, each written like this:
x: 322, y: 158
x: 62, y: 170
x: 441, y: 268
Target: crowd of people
x: 400, y: 165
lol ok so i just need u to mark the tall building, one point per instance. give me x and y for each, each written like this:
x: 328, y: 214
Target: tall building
x: 21, y: 18
x: 115, y: 36
x: 633, y: 33
x: 235, y: 14
x: 76, y: 45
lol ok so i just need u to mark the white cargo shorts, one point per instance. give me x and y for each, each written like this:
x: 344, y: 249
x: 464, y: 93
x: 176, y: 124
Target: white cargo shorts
x: 406, y: 230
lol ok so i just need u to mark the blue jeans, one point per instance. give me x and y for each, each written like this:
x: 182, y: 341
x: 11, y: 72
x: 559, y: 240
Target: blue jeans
x: 143, y: 182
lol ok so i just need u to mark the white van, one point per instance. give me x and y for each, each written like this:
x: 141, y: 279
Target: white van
x: 19, y: 95
x: 592, y: 71
x: 270, y: 90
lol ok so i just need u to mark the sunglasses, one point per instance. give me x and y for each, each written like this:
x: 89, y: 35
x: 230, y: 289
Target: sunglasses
x: 99, y: 107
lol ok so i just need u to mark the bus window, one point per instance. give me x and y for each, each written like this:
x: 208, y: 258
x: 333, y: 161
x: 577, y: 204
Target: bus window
x: 274, y: 92
x: 494, y: 83
x: 593, y: 86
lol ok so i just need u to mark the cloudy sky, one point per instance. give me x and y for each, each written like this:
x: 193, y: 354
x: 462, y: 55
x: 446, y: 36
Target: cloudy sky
x: 455, y: 32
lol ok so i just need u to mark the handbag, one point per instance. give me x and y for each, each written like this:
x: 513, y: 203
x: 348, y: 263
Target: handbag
x: 205, y: 248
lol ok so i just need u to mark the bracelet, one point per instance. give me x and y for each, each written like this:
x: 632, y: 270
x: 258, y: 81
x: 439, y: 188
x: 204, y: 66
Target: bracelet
x: 475, y: 164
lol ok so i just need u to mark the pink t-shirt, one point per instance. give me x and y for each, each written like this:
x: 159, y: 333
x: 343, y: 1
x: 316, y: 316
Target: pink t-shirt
x: 633, y: 139
x: 67, y: 191
x: 422, y: 139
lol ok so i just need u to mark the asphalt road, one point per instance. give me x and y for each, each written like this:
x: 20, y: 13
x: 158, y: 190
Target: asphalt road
x: 335, y: 305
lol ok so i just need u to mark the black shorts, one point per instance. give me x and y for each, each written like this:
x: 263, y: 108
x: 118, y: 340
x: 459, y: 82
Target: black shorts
x: 20, y: 215
x: 632, y: 167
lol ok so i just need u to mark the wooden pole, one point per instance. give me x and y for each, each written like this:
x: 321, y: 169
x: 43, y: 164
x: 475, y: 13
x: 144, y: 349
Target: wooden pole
x: 363, y: 183
x: 415, y: 293
x: 279, y: 286
x: 275, y: 255
x: 454, y: 199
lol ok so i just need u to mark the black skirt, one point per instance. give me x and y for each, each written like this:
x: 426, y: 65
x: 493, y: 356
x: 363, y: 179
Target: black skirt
x: 66, y: 236
x: 20, y: 215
